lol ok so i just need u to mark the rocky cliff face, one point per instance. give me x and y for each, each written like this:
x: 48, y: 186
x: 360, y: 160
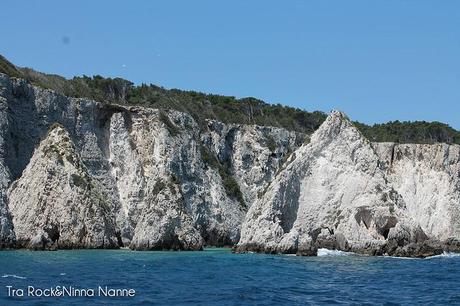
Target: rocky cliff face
x: 167, y: 182
x: 56, y: 204
x: 427, y: 176
x: 76, y: 173
x: 7, y: 237
x: 252, y: 153
x: 332, y: 193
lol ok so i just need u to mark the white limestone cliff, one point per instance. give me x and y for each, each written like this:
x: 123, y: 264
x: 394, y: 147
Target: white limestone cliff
x: 169, y: 183
x: 254, y: 153
x: 56, y: 204
x: 7, y: 237
x: 331, y: 193
x: 165, y: 223
x: 128, y: 150
x: 428, y: 178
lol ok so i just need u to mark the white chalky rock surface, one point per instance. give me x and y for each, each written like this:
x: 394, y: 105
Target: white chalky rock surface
x: 331, y: 188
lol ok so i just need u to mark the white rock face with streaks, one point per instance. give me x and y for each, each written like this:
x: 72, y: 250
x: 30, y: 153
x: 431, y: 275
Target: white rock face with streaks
x: 168, y: 183
x: 253, y: 153
x: 165, y: 223
x: 332, y: 192
x: 56, y: 204
x: 148, y: 149
x: 129, y: 177
x: 127, y: 151
x: 428, y: 178
x: 153, y: 214
x: 7, y: 237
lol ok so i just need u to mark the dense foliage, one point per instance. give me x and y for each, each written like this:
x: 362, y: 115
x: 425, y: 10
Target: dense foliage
x: 8, y: 68
x: 224, y: 108
x: 200, y: 105
x: 410, y: 132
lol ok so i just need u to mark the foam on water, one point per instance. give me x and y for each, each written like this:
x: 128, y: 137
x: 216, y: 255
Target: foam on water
x: 445, y: 255
x: 13, y: 276
x: 401, y: 257
x: 327, y: 252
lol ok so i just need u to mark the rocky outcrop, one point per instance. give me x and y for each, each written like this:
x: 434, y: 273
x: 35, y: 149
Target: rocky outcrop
x: 427, y: 177
x: 56, y: 204
x: 129, y: 151
x: 252, y: 153
x: 165, y: 223
x: 149, y: 148
x: 79, y: 173
x: 332, y: 193
x: 7, y: 237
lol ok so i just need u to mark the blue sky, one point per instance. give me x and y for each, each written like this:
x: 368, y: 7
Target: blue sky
x: 375, y: 60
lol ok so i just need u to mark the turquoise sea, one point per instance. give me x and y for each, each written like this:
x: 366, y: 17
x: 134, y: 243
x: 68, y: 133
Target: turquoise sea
x: 218, y: 277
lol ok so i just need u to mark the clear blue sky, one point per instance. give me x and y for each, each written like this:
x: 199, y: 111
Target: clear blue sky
x: 375, y: 60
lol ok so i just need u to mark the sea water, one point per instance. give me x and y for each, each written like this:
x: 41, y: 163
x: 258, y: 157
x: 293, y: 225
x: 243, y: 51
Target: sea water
x: 218, y: 277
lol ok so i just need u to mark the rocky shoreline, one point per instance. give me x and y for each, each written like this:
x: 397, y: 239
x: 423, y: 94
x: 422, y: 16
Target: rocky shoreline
x: 421, y: 249
x: 75, y: 173
x: 338, y: 194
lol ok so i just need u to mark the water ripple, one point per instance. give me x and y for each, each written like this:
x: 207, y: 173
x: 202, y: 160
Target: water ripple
x: 218, y: 277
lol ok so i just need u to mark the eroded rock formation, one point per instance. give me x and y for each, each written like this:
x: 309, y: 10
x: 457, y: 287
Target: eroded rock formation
x: 76, y: 173
x: 56, y: 203
x: 427, y: 177
x: 168, y: 182
x: 334, y: 193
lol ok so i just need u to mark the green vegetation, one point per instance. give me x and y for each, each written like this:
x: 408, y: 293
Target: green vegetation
x: 79, y: 180
x: 227, y: 109
x: 271, y: 143
x: 50, y: 149
x: 208, y: 158
x: 172, y: 129
x: 391, y: 208
x: 200, y: 105
x: 410, y: 132
x: 231, y: 186
x: 7, y: 68
x: 158, y: 187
